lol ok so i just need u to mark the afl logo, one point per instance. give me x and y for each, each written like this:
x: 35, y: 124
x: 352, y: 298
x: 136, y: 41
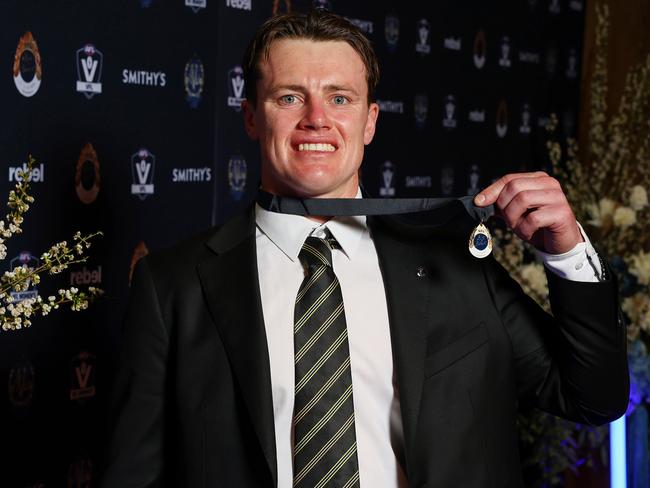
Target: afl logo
x: 87, y: 180
x: 479, y: 49
x: 27, y: 68
x: 502, y: 119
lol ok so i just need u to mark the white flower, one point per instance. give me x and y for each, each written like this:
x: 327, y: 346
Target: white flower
x: 637, y: 308
x: 535, y: 277
x: 640, y: 267
x: 601, y: 211
x: 638, y: 197
x: 624, y: 217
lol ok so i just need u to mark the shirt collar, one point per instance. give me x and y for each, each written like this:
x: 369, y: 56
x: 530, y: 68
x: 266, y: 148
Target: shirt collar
x: 288, y: 232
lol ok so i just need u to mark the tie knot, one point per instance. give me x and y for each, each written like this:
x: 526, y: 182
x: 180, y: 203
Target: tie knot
x: 315, y: 252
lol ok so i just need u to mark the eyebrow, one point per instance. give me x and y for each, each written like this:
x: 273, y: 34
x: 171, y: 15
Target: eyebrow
x: 328, y: 88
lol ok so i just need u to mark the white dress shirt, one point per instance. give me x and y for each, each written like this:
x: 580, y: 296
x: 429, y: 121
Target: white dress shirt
x: 378, y: 423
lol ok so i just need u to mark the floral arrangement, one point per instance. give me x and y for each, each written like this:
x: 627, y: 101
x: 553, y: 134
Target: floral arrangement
x: 606, y: 181
x: 16, y: 306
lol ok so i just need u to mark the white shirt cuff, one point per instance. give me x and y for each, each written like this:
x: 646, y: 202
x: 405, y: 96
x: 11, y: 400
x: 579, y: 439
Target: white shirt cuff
x: 579, y: 264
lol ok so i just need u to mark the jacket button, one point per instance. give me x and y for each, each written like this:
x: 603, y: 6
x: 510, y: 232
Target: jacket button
x: 421, y: 272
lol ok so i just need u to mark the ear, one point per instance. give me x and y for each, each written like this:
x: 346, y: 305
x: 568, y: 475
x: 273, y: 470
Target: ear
x: 249, y: 119
x: 371, y: 123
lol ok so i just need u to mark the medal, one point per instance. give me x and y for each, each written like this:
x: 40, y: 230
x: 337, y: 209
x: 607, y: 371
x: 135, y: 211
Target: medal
x: 480, y: 241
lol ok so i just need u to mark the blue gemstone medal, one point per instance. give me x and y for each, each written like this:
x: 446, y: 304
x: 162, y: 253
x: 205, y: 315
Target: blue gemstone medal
x: 480, y: 242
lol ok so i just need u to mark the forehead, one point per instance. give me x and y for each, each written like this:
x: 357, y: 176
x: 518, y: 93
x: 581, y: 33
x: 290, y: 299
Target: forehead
x: 308, y: 61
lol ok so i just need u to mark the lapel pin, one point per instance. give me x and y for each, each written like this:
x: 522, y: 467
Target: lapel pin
x: 480, y: 241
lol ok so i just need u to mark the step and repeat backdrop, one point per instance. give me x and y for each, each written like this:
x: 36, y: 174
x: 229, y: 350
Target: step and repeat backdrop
x: 132, y: 111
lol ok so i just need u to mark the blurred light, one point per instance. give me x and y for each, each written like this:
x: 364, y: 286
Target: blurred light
x: 617, y: 457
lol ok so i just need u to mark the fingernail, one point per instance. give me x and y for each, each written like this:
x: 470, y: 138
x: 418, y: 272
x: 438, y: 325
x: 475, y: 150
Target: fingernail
x: 480, y: 198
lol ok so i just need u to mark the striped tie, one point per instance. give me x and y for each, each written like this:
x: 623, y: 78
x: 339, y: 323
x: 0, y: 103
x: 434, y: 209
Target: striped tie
x: 325, y: 446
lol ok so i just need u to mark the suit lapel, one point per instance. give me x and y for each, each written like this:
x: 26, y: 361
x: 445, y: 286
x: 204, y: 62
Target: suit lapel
x: 408, y: 296
x: 231, y: 288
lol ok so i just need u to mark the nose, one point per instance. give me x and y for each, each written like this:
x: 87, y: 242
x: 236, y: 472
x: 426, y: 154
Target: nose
x: 315, y: 116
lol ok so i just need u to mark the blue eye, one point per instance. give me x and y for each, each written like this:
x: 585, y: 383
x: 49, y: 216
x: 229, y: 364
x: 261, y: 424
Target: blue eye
x: 288, y: 99
x: 339, y: 100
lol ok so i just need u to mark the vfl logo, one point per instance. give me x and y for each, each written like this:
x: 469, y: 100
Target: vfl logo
x: 236, y: 88
x: 474, y: 177
x: 391, y: 32
x: 502, y: 119
x: 83, y: 376
x: 449, y: 120
x: 387, y: 186
x: 27, y: 68
x: 422, y: 33
x: 142, y: 168
x: 89, y: 70
x: 26, y: 260
x: 87, y: 180
x: 421, y: 110
x: 479, y: 49
x: 504, y: 60
x: 21, y: 384
x: 196, y: 5
x: 194, y: 79
x: 447, y: 180
x: 237, y: 176
x: 524, y: 128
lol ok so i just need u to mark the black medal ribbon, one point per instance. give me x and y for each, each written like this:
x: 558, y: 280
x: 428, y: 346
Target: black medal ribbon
x: 347, y: 207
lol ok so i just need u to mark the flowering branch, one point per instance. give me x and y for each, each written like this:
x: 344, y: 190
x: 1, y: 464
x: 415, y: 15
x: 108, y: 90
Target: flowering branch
x: 16, y: 313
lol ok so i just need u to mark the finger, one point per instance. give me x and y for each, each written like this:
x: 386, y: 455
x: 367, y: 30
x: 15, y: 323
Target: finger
x: 519, y: 185
x: 524, y: 201
x: 490, y: 194
x: 534, y: 221
x: 552, y: 229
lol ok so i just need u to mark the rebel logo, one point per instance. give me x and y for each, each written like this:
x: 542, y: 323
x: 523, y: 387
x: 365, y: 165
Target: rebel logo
x: 37, y: 176
x: 86, y: 276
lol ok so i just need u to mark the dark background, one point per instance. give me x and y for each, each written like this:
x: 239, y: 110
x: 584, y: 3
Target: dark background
x: 52, y: 437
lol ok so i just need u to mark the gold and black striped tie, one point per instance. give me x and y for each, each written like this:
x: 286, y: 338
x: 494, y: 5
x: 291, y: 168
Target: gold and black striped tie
x: 325, y: 446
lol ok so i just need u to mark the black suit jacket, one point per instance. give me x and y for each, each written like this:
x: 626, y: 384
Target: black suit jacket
x: 193, y: 403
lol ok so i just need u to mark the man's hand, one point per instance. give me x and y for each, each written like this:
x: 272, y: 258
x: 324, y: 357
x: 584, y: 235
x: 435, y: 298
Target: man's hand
x: 534, y: 206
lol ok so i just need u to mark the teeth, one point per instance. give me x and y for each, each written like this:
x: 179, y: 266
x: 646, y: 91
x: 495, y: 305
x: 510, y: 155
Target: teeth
x: 316, y: 147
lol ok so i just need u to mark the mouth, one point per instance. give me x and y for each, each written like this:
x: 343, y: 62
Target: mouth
x: 316, y: 147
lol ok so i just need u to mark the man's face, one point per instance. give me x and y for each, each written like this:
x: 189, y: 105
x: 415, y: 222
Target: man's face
x: 312, y: 118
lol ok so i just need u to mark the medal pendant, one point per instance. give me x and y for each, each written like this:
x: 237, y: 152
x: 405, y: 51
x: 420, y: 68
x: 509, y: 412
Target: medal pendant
x: 480, y: 241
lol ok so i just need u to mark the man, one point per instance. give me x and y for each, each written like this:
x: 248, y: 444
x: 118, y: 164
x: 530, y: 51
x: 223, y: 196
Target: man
x: 432, y: 352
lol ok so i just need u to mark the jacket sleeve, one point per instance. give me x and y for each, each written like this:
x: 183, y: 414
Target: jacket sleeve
x: 135, y: 451
x: 572, y: 364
